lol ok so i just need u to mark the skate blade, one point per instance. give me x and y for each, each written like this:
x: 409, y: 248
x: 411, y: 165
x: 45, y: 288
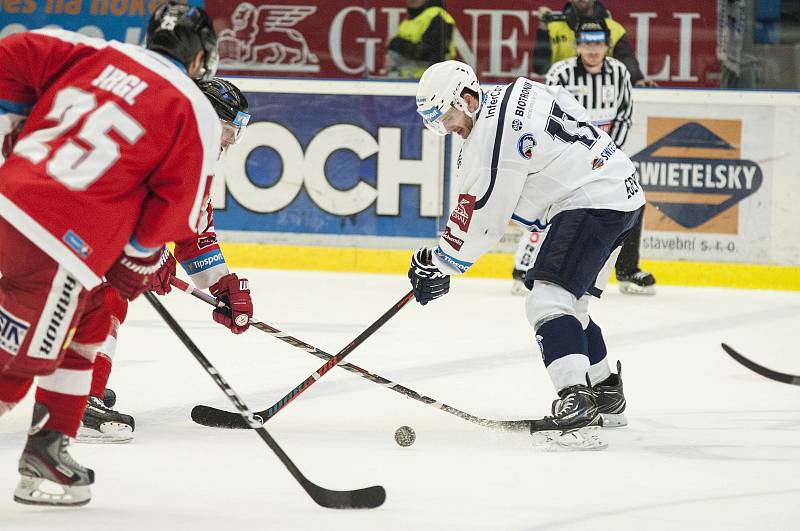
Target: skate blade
x: 614, y: 420
x: 115, y: 434
x: 629, y: 288
x: 586, y: 438
x: 29, y: 492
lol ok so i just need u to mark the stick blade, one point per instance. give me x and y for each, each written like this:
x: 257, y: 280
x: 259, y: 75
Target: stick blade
x: 760, y: 369
x: 218, y: 418
x: 366, y: 498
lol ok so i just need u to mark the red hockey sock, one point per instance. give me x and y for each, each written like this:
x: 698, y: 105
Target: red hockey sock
x: 64, y: 393
x: 100, y: 374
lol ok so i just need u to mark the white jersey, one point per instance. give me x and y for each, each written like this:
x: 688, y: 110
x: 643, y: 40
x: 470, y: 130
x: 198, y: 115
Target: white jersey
x: 531, y: 155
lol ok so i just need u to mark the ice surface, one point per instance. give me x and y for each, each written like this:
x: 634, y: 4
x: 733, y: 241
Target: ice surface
x: 710, y: 445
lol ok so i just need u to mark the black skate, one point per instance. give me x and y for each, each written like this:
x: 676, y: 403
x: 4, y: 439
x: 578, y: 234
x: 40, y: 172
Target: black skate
x: 575, y: 425
x: 45, y: 462
x: 518, y: 287
x: 101, y: 424
x: 611, y: 400
x: 636, y: 282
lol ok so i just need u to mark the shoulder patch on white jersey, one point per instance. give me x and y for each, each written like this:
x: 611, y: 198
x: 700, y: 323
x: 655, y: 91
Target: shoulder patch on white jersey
x: 525, y: 145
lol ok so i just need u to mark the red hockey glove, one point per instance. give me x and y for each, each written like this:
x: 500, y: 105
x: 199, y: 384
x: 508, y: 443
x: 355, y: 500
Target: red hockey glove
x: 131, y: 275
x: 160, y: 283
x: 235, y: 293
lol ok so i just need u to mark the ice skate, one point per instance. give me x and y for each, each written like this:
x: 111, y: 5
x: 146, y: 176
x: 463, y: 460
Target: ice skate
x: 575, y: 425
x: 101, y: 424
x: 518, y: 286
x: 49, y: 474
x: 637, y: 282
x: 611, y: 400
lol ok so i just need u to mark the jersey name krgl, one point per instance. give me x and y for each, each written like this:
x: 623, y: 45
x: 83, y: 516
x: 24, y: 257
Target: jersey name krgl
x: 120, y: 83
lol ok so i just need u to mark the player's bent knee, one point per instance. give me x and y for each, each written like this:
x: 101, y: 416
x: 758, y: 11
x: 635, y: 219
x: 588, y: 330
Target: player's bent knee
x: 546, y: 301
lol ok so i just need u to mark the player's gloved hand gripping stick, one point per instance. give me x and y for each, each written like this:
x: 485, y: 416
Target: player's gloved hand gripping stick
x: 132, y: 274
x: 428, y: 282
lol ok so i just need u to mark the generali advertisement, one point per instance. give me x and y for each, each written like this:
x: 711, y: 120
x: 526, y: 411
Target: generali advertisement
x: 675, y: 42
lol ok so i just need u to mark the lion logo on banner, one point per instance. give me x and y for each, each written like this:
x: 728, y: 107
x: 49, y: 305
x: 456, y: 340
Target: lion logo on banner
x: 264, y: 38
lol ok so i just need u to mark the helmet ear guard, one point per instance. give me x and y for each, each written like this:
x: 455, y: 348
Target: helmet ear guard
x: 441, y: 87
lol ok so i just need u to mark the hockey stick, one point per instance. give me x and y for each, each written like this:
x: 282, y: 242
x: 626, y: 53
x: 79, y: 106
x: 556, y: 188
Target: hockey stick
x: 760, y: 369
x: 217, y: 418
x: 366, y: 498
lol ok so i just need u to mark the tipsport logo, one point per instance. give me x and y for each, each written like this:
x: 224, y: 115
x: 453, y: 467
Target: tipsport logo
x: 694, y: 174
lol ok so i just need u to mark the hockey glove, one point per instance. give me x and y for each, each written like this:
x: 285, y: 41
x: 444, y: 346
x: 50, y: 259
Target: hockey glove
x: 235, y: 293
x: 428, y: 282
x: 160, y: 283
x: 131, y: 275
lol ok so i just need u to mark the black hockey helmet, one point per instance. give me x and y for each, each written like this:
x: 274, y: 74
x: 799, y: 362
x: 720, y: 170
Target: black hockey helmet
x: 228, y: 101
x: 181, y: 31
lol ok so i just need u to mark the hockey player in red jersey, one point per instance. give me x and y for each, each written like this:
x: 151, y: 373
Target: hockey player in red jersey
x: 201, y: 257
x: 114, y: 159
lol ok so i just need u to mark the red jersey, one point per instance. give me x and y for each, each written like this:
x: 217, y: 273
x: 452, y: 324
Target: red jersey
x: 119, y: 148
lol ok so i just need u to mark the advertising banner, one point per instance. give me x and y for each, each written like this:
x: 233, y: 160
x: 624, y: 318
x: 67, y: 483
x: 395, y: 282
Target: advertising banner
x: 675, y: 42
x: 707, y: 174
x: 122, y: 20
x: 346, y: 165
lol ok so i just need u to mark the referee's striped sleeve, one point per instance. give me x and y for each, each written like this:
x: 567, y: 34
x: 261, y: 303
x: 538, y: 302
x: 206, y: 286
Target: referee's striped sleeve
x: 622, y: 122
x: 558, y: 74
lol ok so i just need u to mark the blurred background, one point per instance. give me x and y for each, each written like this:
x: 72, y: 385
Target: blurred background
x: 337, y: 173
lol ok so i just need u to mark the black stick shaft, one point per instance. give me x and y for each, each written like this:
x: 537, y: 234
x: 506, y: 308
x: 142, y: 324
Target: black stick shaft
x: 362, y: 498
x: 355, y: 369
x: 316, y: 375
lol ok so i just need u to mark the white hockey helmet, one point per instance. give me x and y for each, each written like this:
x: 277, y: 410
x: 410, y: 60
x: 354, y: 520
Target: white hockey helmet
x: 440, y: 88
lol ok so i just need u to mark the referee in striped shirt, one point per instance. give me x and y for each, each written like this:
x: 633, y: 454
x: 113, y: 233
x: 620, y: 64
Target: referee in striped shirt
x: 599, y: 83
x: 603, y: 86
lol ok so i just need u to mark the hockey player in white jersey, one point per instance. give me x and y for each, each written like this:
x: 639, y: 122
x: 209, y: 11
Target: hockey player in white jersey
x: 530, y: 155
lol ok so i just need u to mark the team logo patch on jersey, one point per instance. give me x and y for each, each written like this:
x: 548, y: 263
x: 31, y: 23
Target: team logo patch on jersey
x: 516, y: 124
x: 604, y: 156
x: 462, y: 214
x: 693, y: 173
x: 77, y: 244
x: 454, y: 242
x: 525, y: 145
x: 206, y: 241
x: 12, y: 331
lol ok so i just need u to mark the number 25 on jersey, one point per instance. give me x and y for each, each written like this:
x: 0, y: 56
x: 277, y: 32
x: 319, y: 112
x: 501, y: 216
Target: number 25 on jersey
x: 71, y: 164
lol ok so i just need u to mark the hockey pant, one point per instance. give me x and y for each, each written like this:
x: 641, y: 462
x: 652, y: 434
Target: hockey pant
x: 50, y: 328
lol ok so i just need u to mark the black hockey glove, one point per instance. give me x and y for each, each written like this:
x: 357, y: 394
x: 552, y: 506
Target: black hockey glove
x: 428, y: 282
